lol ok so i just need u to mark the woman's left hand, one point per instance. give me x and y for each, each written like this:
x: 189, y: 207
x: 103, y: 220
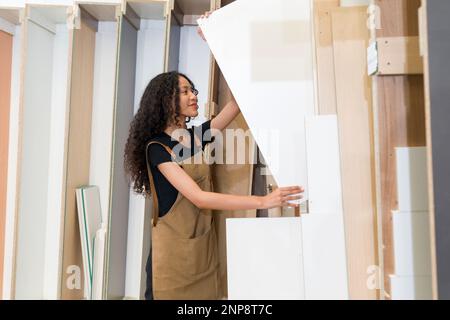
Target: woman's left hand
x: 199, y: 30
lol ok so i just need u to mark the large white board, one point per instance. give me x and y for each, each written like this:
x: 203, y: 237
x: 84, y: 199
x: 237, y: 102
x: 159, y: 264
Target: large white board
x: 296, y: 258
x: 264, y: 50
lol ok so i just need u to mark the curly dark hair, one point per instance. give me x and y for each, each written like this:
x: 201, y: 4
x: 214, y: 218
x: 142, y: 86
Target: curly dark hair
x: 159, y: 108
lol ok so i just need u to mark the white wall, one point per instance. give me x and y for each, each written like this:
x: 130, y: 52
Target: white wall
x: 103, y: 110
x: 194, y: 62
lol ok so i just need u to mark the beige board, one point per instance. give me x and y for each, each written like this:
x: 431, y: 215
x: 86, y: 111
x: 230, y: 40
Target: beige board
x: 326, y: 85
x: 78, y: 157
x: 6, y: 42
x: 350, y: 38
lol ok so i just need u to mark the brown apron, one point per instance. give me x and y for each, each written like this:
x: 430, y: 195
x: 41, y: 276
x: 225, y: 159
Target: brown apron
x: 184, y: 243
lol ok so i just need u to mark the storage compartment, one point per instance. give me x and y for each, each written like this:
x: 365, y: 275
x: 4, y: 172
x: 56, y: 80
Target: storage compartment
x: 90, y: 135
x: 42, y: 131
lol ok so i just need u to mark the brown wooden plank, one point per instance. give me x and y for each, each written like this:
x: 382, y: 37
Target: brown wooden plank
x: 354, y: 104
x: 79, y: 144
x: 401, y: 119
x: 6, y: 43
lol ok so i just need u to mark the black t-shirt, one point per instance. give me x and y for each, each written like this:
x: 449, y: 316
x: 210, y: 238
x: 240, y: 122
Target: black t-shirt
x: 157, y: 154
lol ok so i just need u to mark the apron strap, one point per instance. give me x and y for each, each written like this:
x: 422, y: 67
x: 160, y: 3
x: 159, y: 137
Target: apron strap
x: 155, y: 210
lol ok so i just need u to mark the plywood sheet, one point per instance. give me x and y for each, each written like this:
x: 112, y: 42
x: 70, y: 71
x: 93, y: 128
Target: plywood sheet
x: 326, y: 85
x: 350, y: 40
x: 270, y: 76
x: 79, y: 146
x: 6, y: 50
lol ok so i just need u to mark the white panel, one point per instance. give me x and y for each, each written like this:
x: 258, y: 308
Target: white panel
x: 412, y: 179
x: 264, y: 258
x: 120, y: 189
x: 7, y: 26
x: 266, y: 58
x: 324, y: 250
x: 99, y: 263
x: 46, y: 2
x: 411, y: 288
x: 102, y: 110
x: 34, y: 164
x: 194, y: 57
x: 12, y: 165
x: 411, y: 243
x: 13, y: 3
x: 354, y: 3
x: 89, y: 221
x: 324, y: 173
x: 58, y: 124
x: 150, y: 63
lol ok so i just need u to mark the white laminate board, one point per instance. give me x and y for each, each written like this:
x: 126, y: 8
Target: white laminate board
x: 34, y: 164
x: 58, y: 125
x: 106, y: 40
x: 324, y: 248
x: 264, y: 258
x: 120, y: 189
x: 7, y: 26
x: 266, y: 58
x: 354, y: 3
x: 324, y: 172
x: 412, y: 179
x: 412, y: 248
x: 12, y: 165
x: 89, y: 221
x: 410, y: 287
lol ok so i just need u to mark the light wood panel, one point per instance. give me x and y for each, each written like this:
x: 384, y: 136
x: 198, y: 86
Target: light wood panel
x: 354, y: 103
x: 400, y: 122
x: 326, y: 86
x: 79, y: 145
x: 6, y: 43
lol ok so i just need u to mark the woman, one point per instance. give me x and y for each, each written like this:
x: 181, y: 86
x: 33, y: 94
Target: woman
x: 183, y: 257
x: 159, y: 159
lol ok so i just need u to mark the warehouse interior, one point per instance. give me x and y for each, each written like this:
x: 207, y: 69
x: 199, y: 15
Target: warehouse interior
x: 372, y: 108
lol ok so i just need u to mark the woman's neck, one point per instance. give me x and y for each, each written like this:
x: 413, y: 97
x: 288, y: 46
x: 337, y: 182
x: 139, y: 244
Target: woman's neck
x: 180, y: 125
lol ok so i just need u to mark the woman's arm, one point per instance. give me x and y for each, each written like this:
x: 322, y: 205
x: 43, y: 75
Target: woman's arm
x: 226, y: 115
x: 218, y: 201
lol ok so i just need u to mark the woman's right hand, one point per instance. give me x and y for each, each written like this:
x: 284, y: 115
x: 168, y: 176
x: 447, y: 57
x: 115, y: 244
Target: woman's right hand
x: 280, y: 197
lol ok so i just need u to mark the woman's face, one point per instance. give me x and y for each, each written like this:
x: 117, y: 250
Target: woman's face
x: 188, y: 100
